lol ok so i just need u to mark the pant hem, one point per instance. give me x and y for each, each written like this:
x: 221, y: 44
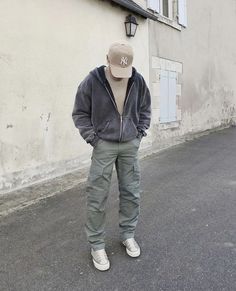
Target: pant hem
x: 126, y: 236
x: 99, y: 247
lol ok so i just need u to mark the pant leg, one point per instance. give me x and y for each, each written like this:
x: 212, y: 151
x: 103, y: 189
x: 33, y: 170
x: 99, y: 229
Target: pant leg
x: 103, y: 158
x: 128, y: 172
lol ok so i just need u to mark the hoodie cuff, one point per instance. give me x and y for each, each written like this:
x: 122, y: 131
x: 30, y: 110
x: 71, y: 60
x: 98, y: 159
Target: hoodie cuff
x: 141, y: 133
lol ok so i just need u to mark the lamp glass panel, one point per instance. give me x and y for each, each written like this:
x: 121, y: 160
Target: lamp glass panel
x: 127, y: 28
x: 133, y: 29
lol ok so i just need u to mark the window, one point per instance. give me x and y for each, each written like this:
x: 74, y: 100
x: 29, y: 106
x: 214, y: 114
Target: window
x: 166, y: 92
x: 168, y: 9
x: 167, y: 96
x: 165, y: 8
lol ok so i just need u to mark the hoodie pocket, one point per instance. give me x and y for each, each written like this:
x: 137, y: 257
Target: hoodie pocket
x: 111, y: 130
x: 103, y: 127
x: 129, y: 129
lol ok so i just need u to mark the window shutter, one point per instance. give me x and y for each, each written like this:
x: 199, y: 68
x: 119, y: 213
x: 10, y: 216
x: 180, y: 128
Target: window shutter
x: 172, y: 96
x: 154, y: 5
x: 182, y: 12
x: 164, y: 96
x: 167, y: 96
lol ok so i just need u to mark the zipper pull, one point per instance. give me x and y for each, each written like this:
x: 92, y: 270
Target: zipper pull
x: 121, y: 126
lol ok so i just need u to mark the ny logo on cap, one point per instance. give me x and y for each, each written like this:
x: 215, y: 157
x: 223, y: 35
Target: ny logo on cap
x: 124, y: 61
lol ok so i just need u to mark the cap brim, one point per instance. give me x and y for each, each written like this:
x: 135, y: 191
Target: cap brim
x: 119, y: 72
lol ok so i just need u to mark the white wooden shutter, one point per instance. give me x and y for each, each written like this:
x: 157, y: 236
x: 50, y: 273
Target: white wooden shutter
x: 182, y: 12
x: 167, y: 96
x: 172, y: 97
x: 164, y: 96
x: 154, y: 5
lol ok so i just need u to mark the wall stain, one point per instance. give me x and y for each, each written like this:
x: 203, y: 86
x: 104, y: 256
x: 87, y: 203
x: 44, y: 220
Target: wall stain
x: 9, y: 126
x: 49, y: 115
x: 45, y: 118
x: 6, y: 58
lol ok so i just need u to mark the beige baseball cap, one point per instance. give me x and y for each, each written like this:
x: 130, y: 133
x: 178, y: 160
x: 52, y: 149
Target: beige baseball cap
x: 120, y: 57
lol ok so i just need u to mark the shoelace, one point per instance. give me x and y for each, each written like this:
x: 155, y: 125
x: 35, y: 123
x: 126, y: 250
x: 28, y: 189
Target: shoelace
x: 100, y: 256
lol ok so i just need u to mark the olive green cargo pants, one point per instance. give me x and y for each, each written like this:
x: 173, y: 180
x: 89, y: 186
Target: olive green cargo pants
x: 125, y: 157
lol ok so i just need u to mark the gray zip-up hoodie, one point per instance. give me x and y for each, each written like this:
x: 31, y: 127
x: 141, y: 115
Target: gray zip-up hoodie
x: 95, y: 112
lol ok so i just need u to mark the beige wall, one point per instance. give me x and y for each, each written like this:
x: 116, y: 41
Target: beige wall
x: 207, y: 51
x: 47, y: 48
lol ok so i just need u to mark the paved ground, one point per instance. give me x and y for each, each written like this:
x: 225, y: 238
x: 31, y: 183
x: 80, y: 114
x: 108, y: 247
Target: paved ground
x: 187, y: 229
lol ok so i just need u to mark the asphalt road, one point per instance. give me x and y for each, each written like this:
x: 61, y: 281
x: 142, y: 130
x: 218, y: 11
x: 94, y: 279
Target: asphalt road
x: 187, y: 229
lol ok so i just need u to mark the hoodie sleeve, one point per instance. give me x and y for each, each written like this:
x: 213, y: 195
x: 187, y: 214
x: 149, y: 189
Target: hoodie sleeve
x: 81, y: 114
x: 145, y: 110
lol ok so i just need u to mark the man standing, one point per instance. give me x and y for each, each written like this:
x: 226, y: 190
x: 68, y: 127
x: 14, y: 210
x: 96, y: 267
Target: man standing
x: 112, y: 110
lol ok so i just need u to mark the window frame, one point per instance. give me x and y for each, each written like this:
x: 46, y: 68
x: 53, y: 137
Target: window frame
x: 176, y: 10
x: 170, y: 9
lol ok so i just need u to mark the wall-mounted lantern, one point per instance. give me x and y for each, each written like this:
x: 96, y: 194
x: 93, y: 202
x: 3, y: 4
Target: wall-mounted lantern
x: 130, y: 25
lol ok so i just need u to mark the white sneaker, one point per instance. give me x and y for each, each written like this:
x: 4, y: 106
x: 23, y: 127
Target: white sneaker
x: 132, y: 247
x: 100, y: 260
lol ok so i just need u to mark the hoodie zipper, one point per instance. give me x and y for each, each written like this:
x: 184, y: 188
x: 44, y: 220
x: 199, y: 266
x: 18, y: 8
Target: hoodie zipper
x: 121, y: 116
x: 121, y: 127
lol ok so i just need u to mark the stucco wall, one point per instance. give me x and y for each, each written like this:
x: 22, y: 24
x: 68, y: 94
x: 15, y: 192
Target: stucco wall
x: 47, y: 48
x: 207, y: 51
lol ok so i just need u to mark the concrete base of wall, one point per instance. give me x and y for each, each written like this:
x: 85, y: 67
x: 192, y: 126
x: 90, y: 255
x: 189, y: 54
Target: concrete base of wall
x: 17, y: 180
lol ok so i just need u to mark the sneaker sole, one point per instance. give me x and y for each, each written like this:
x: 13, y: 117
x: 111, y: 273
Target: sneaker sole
x: 133, y: 254
x: 100, y: 267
